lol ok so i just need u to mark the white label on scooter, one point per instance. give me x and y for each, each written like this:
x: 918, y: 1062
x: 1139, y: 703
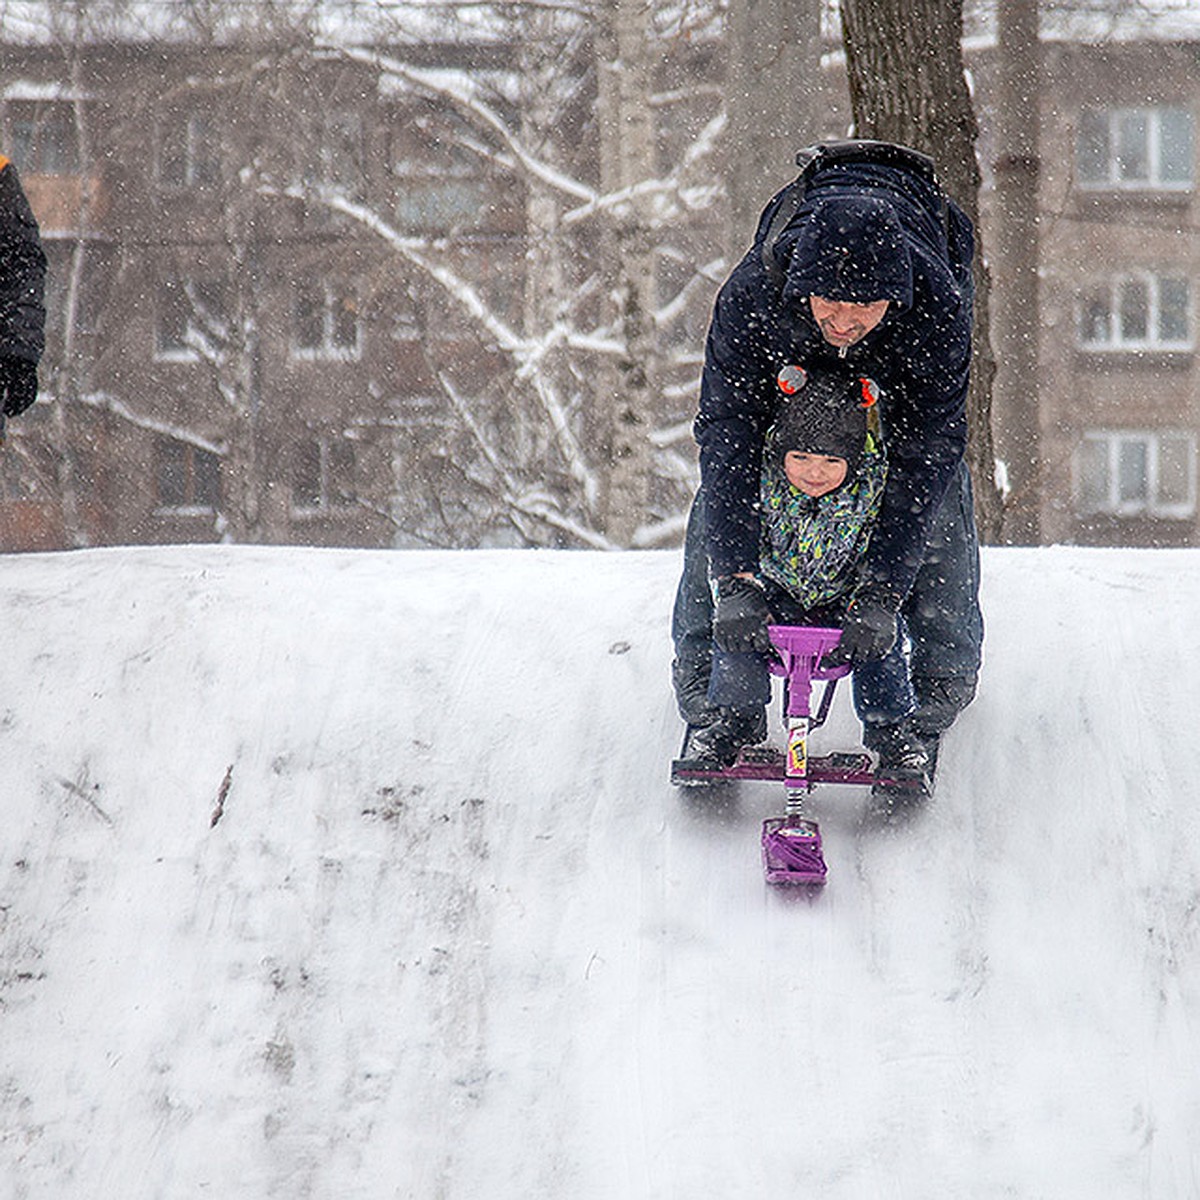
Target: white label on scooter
x: 797, y: 746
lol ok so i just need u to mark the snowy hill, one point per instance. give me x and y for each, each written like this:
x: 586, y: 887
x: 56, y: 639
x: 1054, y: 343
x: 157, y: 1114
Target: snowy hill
x: 356, y: 875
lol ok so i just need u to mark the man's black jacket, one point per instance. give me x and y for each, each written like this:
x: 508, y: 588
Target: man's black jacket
x: 919, y: 355
x: 22, y: 272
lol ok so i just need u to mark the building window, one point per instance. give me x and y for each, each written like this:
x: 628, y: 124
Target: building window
x: 439, y: 183
x: 323, y: 476
x: 336, y: 156
x: 82, y: 304
x: 325, y: 322
x: 43, y: 138
x: 1137, y: 312
x: 189, y: 151
x: 443, y: 205
x: 1132, y: 474
x: 1136, y: 148
x: 188, y: 478
x: 190, y: 320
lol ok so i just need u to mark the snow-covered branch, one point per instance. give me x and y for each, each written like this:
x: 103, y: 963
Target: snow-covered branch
x: 671, y: 186
x: 525, y: 352
x: 660, y: 533
x: 535, y: 504
x: 461, y: 90
x: 106, y: 402
x: 417, y: 251
x: 706, y: 276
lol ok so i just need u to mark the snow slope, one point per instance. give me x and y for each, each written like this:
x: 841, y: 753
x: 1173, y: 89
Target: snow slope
x: 453, y: 935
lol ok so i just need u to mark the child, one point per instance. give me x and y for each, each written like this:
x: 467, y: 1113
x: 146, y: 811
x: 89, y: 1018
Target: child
x: 822, y: 483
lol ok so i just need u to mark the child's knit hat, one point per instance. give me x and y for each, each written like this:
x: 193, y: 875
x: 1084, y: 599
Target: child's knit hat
x: 827, y: 415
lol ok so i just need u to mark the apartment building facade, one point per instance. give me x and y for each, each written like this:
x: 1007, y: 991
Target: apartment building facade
x: 231, y: 361
x: 1119, y: 390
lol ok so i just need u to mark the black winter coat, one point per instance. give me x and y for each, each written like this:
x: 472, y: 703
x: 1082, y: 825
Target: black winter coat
x: 919, y: 354
x: 22, y: 272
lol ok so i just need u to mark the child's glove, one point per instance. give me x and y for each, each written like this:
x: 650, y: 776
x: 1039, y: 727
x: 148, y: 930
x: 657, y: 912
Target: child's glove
x: 741, y: 617
x: 868, y: 629
x: 18, y: 385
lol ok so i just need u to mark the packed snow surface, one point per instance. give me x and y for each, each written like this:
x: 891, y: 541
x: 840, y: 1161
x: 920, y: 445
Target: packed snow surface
x: 353, y: 875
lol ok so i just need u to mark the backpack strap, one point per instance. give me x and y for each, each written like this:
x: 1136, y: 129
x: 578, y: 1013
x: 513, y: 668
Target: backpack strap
x: 843, y: 150
x: 790, y: 200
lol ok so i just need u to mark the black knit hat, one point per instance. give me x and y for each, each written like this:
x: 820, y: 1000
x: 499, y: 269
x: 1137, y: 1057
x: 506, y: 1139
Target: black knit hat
x: 851, y: 248
x: 828, y: 415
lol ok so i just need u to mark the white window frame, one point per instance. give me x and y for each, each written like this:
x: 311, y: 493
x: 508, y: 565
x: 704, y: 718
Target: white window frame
x: 330, y: 499
x: 198, y: 137
x: 1150, y: 505
x: 191, y: 465
x: 1117, y: 341
x: 196, y: 338
x: 1153, y: 180
x: 44, y: 137
x: 328, y: 349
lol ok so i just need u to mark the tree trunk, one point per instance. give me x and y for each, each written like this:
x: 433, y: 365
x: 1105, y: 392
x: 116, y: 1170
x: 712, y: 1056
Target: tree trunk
x: 1017, y: 322
x: 627, y: 158
x: 772, y: 94
x: 548, y: 286
x: 66, y: 384
x: 905, y: 68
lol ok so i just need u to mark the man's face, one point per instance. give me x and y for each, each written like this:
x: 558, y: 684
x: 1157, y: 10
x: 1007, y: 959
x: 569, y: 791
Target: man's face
x: 844, y: 324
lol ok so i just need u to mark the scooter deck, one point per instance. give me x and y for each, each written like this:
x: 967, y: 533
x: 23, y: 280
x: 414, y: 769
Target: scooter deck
x: 767, y: 764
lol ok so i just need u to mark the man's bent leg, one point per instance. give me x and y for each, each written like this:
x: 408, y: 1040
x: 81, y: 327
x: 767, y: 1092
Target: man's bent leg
x: 942, y: 612
x: 883, y: 694
x: 885, y: 703
x: 691, y: 626
x: 739, y: 693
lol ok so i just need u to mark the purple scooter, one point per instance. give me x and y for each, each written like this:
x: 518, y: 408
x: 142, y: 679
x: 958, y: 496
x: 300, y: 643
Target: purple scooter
x: 791, y: 844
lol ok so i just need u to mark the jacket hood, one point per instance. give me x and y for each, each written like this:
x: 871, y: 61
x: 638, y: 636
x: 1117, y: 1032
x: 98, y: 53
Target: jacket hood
x: 851, y: 249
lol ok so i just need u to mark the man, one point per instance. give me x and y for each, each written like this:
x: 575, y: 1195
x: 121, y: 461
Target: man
x: 865, y: 260
x: 22, y: 285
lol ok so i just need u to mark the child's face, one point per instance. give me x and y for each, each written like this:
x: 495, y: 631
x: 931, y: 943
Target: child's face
x: 814, y: 474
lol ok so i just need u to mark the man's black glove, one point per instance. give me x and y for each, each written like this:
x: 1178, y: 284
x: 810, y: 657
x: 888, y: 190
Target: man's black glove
x: 741, y: 618
x: 18, y: 385
x: 868, y: 629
